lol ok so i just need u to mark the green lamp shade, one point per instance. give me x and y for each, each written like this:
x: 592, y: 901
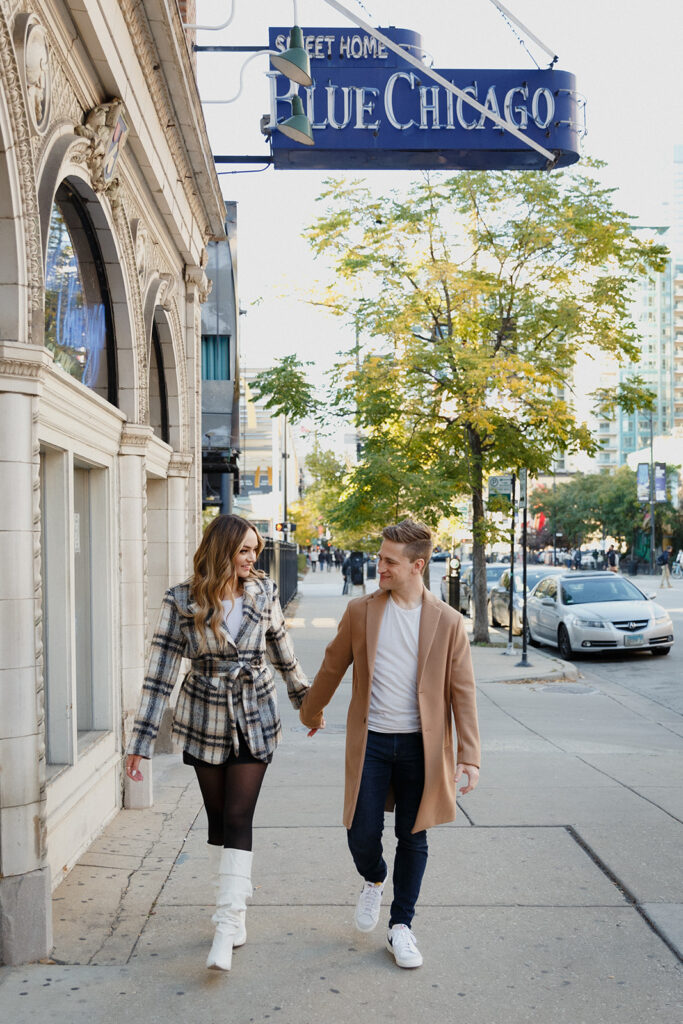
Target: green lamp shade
x: 298, y: 127
x: 294, y: 62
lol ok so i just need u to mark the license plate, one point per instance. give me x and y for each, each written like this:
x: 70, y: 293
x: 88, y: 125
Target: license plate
x: 636, y: 640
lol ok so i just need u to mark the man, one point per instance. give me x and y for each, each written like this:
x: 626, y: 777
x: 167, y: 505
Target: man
x: 612, y: 559
x: 412, y: 674
x: 664, y: 560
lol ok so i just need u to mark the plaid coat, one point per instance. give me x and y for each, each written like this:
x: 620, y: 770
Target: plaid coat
x: 223, y: 688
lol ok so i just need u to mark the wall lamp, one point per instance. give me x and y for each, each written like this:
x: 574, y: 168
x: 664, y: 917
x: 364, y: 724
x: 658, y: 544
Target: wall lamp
x: 294, y: 63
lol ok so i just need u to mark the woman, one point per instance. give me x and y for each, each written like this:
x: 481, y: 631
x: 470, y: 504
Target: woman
x: 223, y: 620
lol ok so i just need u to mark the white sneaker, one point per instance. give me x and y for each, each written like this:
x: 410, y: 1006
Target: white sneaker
x: 401, y: 942
x: 368, y: 906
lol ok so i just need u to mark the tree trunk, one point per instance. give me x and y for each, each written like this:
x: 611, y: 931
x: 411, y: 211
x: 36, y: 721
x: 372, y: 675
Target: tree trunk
x: 481, y: 620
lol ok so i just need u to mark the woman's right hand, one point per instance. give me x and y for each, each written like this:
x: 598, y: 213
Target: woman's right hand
x: 133, y: 767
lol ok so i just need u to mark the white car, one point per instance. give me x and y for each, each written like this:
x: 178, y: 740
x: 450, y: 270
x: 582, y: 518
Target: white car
x: 596, y: 611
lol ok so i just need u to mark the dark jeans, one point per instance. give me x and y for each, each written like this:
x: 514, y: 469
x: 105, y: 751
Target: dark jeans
x: 391, y: 760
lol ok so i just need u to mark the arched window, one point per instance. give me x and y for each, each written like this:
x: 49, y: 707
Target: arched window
x: 78, y: 321
x: 158, y: 390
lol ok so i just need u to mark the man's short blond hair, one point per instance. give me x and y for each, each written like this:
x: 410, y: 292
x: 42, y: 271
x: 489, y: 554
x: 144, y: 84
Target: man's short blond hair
x: 416, y: 538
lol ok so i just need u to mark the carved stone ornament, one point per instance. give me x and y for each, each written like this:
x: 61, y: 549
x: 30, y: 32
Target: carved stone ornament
x: 195, y: 276
x: 30, y: 40
x: 106, y: 129
x: 140, y: 236
x: 166, y: 293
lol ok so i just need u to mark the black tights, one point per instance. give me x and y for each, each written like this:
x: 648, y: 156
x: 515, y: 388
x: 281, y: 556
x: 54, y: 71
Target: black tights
x: 230, y: 792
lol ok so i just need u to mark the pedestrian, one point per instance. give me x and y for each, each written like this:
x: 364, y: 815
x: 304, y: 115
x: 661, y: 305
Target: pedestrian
x: 315, y: 554
x: 612, y: 559
x: 664, y: 560
x: 223, y: 619
x: 412, y: 675
x: 577, y: 558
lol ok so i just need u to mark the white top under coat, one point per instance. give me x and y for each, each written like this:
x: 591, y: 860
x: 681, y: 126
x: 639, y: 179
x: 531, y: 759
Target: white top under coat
x: 232, y: 615
x: 393, y: 696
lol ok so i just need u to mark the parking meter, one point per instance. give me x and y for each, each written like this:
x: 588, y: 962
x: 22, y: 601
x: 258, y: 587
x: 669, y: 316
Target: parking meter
x: 453, y: 575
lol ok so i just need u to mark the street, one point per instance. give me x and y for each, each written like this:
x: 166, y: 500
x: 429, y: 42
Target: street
x: 658, y: 679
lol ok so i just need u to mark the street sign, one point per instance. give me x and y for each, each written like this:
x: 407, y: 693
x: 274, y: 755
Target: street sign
x: 369, y: 108
x: 522, y: 488
x: 643, y: 482
x: 660, y: 481
x: 501, y: 485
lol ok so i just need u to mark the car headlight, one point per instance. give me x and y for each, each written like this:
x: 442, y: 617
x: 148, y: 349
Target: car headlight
x: 662, y: 620
x: 578, y: 620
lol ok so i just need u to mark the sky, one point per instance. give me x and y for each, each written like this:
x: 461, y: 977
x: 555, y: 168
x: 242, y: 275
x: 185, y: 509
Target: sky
x: 627, y: 62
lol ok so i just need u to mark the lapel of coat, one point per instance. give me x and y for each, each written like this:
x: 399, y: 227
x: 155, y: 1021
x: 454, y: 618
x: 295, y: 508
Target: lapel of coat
x: 374, y: 615
x: 255, y: 597
x: 429, y: 622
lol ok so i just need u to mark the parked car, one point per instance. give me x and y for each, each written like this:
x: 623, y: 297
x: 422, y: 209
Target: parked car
x: 499, y: 594
x: 596, y: 611
x: 494, y: 570
x: 439, y: 556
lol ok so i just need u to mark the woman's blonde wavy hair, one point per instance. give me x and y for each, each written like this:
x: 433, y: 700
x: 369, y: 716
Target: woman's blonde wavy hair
x: 214, y: 570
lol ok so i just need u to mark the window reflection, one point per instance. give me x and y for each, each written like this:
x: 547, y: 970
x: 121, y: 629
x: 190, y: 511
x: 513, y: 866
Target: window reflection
x: 76, y: 320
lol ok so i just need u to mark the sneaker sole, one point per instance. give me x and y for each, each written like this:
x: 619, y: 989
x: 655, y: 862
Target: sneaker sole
x: 405, y: 966
x: 365, y: 930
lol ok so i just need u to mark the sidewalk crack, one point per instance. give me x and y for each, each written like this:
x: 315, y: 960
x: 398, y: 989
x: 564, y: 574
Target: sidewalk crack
x: 629, y: 897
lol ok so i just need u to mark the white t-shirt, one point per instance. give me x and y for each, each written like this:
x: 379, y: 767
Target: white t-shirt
x: 232, y: 615
x: 393, y: 696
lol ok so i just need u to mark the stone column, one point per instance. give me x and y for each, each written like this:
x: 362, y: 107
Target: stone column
x: 198, y: 288
x: 133, y: 541
x: 171, y: 526
x: 25, y: 890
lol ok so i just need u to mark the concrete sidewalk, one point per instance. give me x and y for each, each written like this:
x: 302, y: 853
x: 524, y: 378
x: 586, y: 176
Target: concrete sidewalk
x: 556, y: 896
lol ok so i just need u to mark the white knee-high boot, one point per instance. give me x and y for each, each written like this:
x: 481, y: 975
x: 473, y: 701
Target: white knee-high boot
x: 234, y: 889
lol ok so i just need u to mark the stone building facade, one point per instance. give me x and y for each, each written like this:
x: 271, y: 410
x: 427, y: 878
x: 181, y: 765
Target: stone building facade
x: 108, y: 198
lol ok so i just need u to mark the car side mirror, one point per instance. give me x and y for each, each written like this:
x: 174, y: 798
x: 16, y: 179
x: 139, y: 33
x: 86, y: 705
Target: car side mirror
x: 549, y: 601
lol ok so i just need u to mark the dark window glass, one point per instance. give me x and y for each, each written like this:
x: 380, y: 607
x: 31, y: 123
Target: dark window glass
x: 216, y: 357
x: 78, y: 323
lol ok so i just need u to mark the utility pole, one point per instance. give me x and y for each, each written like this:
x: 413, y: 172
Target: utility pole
x: 524, y: 663
x: 652, y: 499
x: 285, y: 456
x: 510, y: 647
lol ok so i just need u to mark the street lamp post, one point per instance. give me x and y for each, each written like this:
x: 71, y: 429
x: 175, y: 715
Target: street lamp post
x: 285, y: 456
x: 652, y: 500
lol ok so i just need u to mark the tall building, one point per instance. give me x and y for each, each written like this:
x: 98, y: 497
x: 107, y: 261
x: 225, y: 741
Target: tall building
x: 660, y: 365
x: 220, y: 372
x: 676, y: 243
x: 269, y: 463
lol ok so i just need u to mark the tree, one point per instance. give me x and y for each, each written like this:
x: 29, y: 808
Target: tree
x: 605, y: 503
x: 474, y: 292
x: 286, y: 389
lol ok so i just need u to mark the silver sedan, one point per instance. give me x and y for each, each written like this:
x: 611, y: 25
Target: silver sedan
x: 596, y: 611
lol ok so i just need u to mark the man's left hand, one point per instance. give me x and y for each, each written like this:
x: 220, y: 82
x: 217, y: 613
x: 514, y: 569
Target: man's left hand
x: 472, y: 773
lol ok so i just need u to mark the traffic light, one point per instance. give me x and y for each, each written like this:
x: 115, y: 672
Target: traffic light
x: 279, y: 527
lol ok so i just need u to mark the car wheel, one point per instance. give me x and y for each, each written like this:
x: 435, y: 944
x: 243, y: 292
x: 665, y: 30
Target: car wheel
x: 563, y: 643
x: 660, y: 651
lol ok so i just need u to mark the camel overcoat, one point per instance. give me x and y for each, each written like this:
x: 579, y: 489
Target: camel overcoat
x: 445, y: 693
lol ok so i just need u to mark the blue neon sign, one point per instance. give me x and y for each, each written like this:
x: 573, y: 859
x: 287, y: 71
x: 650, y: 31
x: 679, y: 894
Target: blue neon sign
x: 370, y: 109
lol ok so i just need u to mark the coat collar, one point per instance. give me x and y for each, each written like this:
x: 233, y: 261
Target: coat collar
x: 429, y: 622
x: 254, y: 596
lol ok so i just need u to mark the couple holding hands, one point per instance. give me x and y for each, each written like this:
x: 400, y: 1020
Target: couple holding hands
x: 412, y: 682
